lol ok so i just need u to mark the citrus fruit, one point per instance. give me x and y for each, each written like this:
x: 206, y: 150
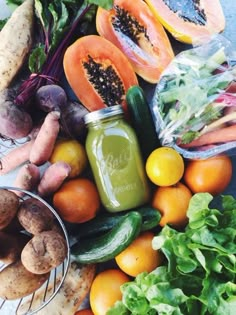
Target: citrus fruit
x: 164, y: 166
x: 139, y: 256
x: 72, y: 152
x: 105, y: 290
x: 77, y: 200
x: 86, y: 311
x: 172, y: 202
x: 211, y: 175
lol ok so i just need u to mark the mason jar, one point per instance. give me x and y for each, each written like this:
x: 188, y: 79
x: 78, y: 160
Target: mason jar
x: 115, y: 158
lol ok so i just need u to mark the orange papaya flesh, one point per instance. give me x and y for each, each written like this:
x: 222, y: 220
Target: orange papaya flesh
x: 189, y: 21
x: 134, y: 29
x: 98, y: 72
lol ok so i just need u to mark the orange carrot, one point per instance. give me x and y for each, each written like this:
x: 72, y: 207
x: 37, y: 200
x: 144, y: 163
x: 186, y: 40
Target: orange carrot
x: 53, y: 177
x: 27, y: 178
x: 15, y: 157
x: 221, y: 135
x: 46, y: 138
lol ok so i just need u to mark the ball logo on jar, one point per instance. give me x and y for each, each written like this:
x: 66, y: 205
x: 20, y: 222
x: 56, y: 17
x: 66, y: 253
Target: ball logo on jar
x: 116, y: 161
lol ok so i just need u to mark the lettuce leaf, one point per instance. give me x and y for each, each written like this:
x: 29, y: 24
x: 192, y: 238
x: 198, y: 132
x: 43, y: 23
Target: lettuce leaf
x: 199, y: 274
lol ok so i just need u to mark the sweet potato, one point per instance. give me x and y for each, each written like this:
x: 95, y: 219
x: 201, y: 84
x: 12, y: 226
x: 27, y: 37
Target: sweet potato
x: 46, y: 138
x: 53, y: 177
x: 71, y: 295
x: 16, y: 39
x: 27, y: 178
x: 15, y: 157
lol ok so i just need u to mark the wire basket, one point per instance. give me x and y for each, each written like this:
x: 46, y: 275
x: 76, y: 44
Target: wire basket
x: 27, y: 304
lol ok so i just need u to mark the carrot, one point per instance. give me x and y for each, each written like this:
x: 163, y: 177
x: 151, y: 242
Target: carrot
x: 53, y: 177
x: 27, y: 178
x: 15, y: 157
x: 46, y: 138
x: 221, y: 135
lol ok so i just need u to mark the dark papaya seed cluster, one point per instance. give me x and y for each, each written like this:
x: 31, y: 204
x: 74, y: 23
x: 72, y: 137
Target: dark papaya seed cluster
x: 105, y: 81
x: 128, y: 25
x: 192, y: 10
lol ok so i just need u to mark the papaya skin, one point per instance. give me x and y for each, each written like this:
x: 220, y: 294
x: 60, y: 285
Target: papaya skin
x: 188, y: 32
x: 148, y: 47
x: 104, y: 54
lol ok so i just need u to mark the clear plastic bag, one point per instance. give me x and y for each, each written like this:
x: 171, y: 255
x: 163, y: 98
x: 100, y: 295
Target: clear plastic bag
x: 195, y: 101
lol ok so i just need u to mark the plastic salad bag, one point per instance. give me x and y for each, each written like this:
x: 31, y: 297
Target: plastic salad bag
x: 194, y: 103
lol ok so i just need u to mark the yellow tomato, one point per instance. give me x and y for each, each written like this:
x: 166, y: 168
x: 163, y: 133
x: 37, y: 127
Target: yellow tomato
x: 105, y: 290
x: 72, y: 152
x: 165, y: 166
x: 139, y: 256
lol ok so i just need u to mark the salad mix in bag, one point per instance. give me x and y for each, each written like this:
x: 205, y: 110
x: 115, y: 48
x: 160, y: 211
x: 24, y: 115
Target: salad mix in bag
x: 194, y: 103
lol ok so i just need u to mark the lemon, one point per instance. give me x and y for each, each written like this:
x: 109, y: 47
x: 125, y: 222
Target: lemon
x: 72, y: 152
x: 164, y: 166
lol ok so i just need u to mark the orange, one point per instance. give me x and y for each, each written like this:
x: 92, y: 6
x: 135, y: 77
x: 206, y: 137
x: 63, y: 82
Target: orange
x: 172, y: 202
x: 139, y: 256
x: 72, y: 152
x: 211, y: 175
x: 84, y: 312
x: 164, y: 166
x: 105, y: 290
x: 77, y: 200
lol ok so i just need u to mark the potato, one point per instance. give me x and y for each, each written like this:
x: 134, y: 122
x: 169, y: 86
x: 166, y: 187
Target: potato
x: 16, y: 281
x: 9, y: 204
x: 44, y: 252
x: 35, y: 216
x: 11, y: 246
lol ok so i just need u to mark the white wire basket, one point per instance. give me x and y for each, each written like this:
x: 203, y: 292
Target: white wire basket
x: 27, y: 305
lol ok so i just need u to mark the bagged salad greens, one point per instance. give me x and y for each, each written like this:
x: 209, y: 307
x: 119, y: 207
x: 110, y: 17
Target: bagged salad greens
x: 194, y: 103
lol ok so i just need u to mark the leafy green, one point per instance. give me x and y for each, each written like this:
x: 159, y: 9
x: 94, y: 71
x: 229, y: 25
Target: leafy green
x: 58, y: 24
x: 186, y: 96
x: 199, y: 274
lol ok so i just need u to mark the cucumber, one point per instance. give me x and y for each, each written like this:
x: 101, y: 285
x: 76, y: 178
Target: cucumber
x: 104, y: 222
x: 107, y: 246
x: 141, y: 120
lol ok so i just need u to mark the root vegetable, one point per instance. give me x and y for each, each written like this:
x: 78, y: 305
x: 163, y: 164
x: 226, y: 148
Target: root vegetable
x: 16, y: 281
x: 221, y: 135
x: 27, y: 178
x: 9, y: 204
x: 11, y: 246
x: 46, y: 138
x: 15, y: 42
x: 53, y: 177
x: 51, y: 97
x: 44, y: 252
x: 34, y: 216
x: 15, y: 122
x: 73, y: 292
x: 15, y: 157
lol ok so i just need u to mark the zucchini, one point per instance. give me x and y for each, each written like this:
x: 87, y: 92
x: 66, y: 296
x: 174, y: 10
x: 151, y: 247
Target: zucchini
x: 141, y: 120
x: 105, y: 222
x: 107, y: 246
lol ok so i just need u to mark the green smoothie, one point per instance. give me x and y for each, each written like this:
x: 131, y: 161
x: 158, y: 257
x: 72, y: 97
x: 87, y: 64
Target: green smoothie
x: 115, y: 159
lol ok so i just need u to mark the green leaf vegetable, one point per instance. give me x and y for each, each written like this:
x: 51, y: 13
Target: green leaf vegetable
x: 200, y: 270
x: 58, y: 24
x: 188, y: 94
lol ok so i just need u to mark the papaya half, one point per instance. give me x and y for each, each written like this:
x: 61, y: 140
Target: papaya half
x: 98, y: 72
x: 134, y: 29
x: 189, y: 21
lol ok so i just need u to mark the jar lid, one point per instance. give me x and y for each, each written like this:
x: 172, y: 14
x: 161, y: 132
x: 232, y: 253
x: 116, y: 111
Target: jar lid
x: 103, y: 113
